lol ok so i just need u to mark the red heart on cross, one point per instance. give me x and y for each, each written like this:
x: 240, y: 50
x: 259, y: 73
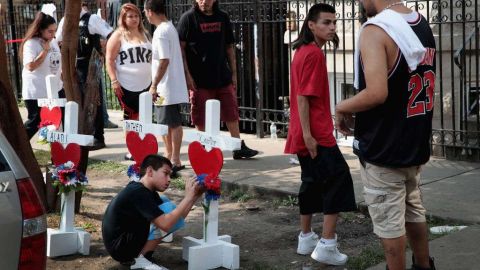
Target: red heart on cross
x: 141, y: 148
x: 203, y: 161
x: 62, y: 155
x: 53, y: 116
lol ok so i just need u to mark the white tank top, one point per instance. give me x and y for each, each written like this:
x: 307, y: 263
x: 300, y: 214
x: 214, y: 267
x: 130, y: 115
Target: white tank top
x: 133, y: 65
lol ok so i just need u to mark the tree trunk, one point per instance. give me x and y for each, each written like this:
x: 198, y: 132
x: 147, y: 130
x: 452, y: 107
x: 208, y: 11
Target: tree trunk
x: 12, y: 126
x: 89, y: 100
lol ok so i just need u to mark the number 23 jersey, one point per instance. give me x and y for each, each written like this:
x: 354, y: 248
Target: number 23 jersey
x: 397, y: 133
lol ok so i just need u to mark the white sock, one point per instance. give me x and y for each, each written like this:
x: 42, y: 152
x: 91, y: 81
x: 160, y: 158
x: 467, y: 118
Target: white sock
x: 305, y: 235
x: 328, y: 242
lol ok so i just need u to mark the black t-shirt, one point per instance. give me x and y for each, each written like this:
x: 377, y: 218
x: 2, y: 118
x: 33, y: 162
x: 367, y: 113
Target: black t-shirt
x: 207, y: 38
x: 126, y: 223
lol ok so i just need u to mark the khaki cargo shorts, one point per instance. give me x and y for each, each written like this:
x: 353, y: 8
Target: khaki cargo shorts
x: 393, y: 197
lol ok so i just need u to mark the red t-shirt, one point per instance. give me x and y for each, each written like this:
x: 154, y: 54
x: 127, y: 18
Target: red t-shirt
x: 309, y: 78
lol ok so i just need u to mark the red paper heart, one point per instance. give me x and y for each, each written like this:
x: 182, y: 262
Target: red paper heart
x: 205, y: 162
x: 141, y: 148
x: 53, y: 116
x: 62, y: 155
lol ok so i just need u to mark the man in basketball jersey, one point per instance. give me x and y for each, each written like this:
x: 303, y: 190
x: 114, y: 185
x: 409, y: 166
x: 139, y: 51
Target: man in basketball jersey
x: 393, y: 125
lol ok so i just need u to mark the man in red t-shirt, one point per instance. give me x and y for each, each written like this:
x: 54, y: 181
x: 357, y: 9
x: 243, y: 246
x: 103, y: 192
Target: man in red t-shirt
x: 326, y: 181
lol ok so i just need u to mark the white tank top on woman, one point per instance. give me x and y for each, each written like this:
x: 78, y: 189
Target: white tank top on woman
x: 133, y: 64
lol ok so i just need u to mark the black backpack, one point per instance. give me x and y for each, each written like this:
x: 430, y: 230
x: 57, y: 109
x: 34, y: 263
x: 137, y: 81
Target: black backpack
x: 86, y: 41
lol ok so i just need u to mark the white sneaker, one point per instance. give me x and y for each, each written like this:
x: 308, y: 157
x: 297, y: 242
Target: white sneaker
x: 328, y: 254
x: 142, y: 263
x: 307, y: 244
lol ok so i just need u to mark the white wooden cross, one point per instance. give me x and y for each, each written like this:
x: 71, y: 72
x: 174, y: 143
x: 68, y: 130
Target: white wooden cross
x: 212, y: 251
x: 68, y: 239
x: 144, y: 124
x: 52, y: 99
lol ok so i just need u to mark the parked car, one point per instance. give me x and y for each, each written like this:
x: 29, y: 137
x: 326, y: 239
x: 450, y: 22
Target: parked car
x: 23, y: 223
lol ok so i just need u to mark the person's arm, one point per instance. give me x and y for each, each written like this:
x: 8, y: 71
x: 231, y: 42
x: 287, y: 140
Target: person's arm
x: 31, y: 66
x: 188, y: 76
x: 304, y: 115
x: 232, y: 63
x: 193, y: 191
x: 375, y: 64
x: 113, y: 47
x: 162, y: 69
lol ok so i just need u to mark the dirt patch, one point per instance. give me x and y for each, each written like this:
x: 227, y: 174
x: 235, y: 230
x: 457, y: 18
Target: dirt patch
x: 266, y: 230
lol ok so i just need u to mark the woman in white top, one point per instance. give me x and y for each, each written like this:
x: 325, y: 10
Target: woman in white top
x: 40, y: 57
x: 129, y: 58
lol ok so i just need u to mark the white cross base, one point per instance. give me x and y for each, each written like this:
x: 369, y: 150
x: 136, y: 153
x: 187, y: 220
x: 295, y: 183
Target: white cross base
x: 52, y: 94
x: 144, y: 124
x: 211, y: 251
x: 68, y: 240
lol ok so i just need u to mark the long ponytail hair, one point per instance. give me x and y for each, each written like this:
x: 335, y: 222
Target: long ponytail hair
x: 41, y: 22
x: 306, y: 35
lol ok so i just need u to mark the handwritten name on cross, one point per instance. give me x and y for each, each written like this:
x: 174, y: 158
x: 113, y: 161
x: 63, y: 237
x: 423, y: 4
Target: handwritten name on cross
x: 144, y: 124
x: 211, y: 137
x: 52, y: 100
x: 71, y: 128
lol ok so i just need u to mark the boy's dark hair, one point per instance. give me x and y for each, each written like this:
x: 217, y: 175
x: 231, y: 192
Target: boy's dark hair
x: 156, y: 6
x: 154, y: 161
x: 306, y: 35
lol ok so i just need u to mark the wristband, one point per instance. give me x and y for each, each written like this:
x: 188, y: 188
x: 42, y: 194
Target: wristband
x: 114, y: 82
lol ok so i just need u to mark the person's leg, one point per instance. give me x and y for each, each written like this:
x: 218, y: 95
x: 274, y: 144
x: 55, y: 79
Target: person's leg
x: 151, y: 245
x: 167, y: 140
x: 418, y: 239
x: 329, y: 226
x: 394, y: 249
x: 233, y: 128
x: 416, y: 225
x: 306, y: 223
x: 198, y: 98
x: 176, y: 142
x: 385, y: 195
x: 33, y: 118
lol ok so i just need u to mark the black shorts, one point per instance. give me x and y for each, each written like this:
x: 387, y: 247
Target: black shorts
x: 130, y: 103
x: 169, y: 115
x: 327, y: 185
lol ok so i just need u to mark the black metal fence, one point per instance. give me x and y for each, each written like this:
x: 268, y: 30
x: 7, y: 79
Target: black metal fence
x: 264, y: 30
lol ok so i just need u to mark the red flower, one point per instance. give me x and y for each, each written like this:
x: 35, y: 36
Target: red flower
x: 213, y: 183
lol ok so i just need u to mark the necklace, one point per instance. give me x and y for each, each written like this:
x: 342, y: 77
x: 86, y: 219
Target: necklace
x: 392, y: 5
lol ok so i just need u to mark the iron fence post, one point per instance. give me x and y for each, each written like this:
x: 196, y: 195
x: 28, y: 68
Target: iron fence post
x: 13, y: 32
x: 258, y: 36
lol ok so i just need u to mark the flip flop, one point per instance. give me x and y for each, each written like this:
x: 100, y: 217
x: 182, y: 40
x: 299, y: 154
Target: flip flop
x: 176, y: 168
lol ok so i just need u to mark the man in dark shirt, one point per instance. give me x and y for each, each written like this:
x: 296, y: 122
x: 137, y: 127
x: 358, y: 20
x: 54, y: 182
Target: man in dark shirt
x: 206, y: 38
x: 126, y: 224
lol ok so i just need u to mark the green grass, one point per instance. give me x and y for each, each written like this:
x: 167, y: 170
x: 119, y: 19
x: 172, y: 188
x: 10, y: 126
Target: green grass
x: 369, y: 257
x: 240, y: 196
x: 43, y: 157
x: 177, y: 183
x: 288, y: 201
x: 106, y: 166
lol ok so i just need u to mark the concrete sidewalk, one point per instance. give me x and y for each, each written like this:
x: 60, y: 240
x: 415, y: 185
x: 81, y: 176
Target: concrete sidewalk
x: 450, y: 188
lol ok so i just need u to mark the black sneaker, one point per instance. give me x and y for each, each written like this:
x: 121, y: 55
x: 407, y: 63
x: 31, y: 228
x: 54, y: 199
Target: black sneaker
x: 416, y: 267
x: 97, y: 144
x: 110, y: 124
x: 244, y: 152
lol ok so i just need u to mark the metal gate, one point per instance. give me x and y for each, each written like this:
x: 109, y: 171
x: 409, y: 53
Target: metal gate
x: 264, y: 29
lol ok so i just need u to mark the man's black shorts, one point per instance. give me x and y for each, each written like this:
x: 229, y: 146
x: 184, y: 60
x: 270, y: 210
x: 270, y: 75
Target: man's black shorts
x: 327, y: 185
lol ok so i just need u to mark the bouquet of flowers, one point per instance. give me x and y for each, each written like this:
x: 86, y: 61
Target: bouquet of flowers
x: 67, y: 178
x: 133, y: 172
x: 44, y: 127
x: 213, y: 185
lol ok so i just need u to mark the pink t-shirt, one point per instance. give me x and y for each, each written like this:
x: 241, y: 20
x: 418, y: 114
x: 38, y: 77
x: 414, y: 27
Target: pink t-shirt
x: 309, y: 78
